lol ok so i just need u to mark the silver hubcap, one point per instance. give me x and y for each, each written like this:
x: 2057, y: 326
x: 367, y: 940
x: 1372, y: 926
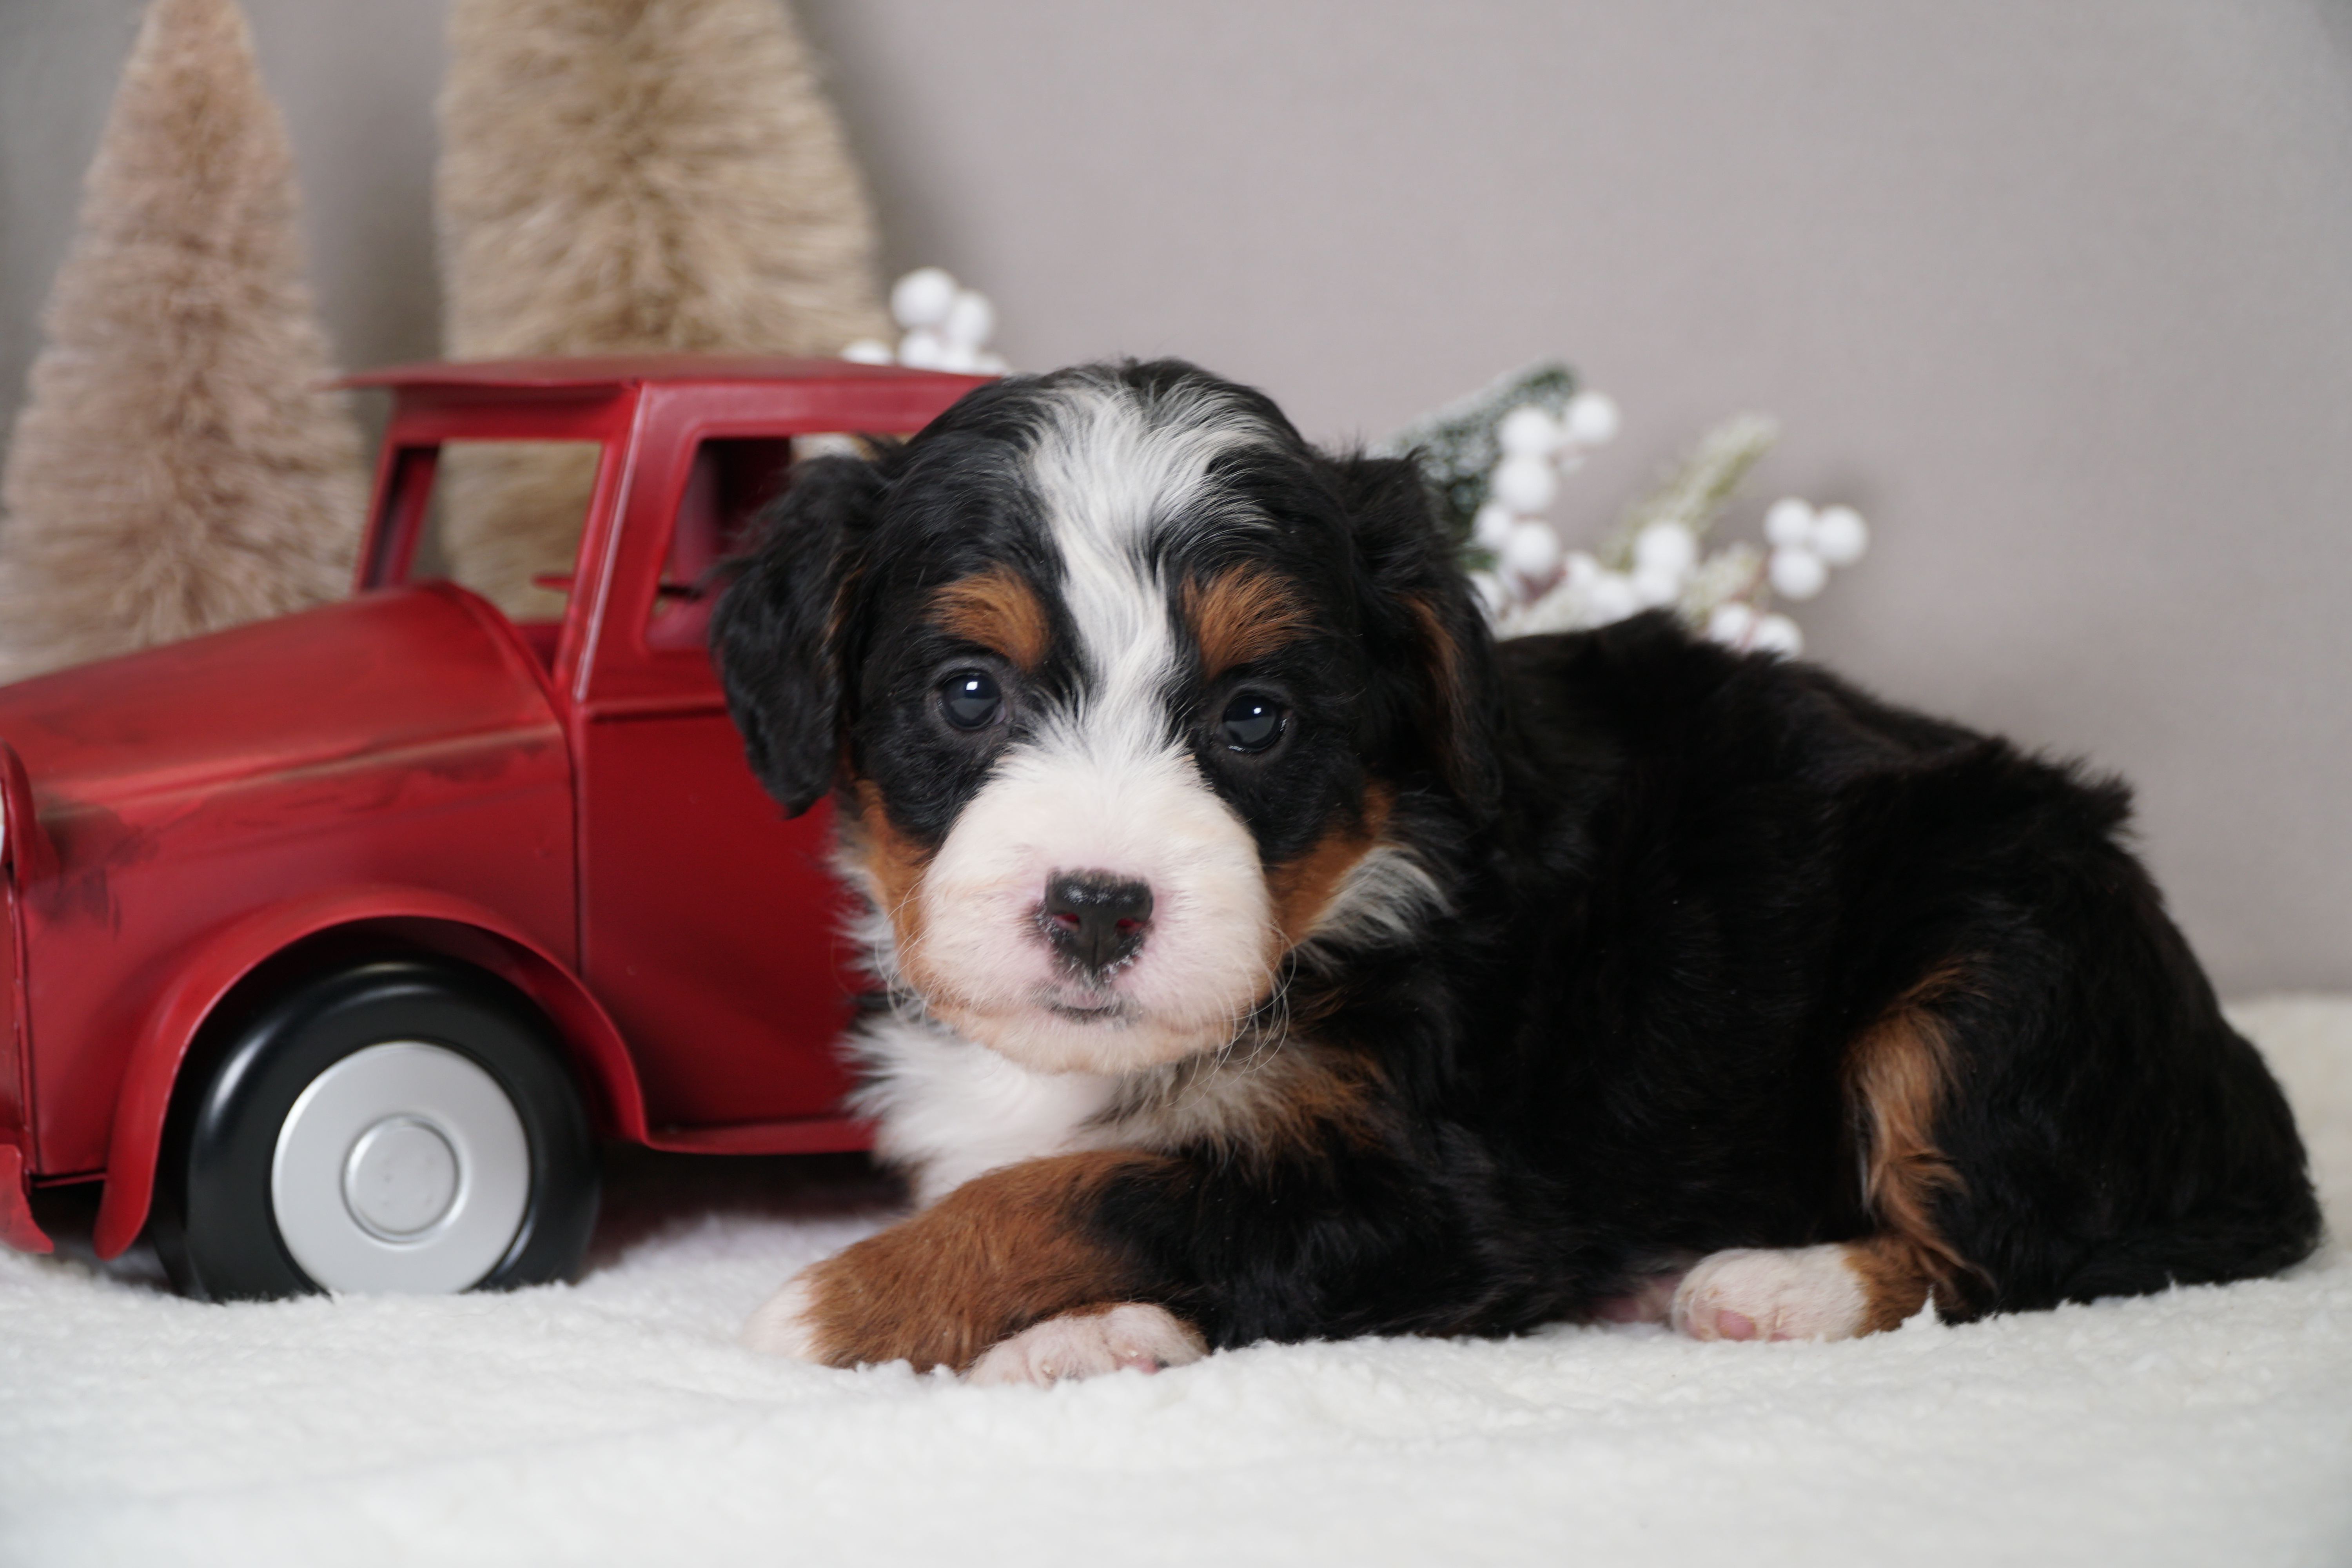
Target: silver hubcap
x: 402, y: 1178
x: 401, y: 1168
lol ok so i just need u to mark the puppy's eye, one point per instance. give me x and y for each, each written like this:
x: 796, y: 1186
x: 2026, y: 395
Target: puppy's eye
x: 1253, y: 723
x: 970, y: 699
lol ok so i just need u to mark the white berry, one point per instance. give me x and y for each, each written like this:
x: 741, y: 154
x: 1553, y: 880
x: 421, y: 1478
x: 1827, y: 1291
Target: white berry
x: 1612, y: 597
x: 1840, y: 536
x: 1493, y: 525
x: 869, y: 351
x: 1656, y: 588
x: 1532, y: 552
x: 1592, y: 419
x: 1525, y: 484
x: 923, y: 349
x: 923, y: 297
x: 1796, y: 572
x: 1778, y: 634
x: 1788, y: 523
x: 969, y: 319
x: 1733, y: 622
x: 1526, y: 431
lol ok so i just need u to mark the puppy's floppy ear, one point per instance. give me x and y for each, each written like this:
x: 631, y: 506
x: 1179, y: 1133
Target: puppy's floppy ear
x: 1424, y: 620
x: 777, y: 633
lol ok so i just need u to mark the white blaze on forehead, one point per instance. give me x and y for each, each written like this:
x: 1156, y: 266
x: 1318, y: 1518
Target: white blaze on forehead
x: 1115, y: 474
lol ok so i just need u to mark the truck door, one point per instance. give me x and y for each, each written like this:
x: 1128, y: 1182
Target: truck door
x: 709, y: 922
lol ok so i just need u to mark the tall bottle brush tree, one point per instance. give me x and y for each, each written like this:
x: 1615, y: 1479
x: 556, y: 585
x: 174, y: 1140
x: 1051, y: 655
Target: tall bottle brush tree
x: 622, y: 176
x: 178, y: 464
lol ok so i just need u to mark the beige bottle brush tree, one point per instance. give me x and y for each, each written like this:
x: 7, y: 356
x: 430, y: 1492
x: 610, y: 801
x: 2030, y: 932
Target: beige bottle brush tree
x: 179, y: 466
x: 620, y: 175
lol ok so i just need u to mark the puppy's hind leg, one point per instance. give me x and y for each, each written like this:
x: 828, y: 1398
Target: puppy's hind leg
x: 1897, y: 1079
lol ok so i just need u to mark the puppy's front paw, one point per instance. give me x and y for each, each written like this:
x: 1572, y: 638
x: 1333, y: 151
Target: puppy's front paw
x: 1090, y: 1344
x: 784, y: 1325
x: 1008, y: 1247
x: 1753, y: 1293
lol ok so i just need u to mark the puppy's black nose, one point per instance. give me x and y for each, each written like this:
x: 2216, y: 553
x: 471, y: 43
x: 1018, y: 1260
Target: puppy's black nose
x: 1095, y: 919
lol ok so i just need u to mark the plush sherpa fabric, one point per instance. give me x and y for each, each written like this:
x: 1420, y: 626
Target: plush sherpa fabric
x: 179, y: 467
x: 615, y: 1421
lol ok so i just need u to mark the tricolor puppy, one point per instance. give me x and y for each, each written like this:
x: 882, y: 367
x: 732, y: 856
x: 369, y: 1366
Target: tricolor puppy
x: 1271, y: 954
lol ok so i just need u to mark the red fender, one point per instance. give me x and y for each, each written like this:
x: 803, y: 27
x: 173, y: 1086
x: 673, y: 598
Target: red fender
x: 434, y: 922
x: 25, y: 851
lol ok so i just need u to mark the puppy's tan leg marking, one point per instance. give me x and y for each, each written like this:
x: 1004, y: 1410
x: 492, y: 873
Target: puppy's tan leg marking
x: 1091, y: 1343
x: 1003, y: 1251
x: 1897, y: 1074
x: 1896, y: 1277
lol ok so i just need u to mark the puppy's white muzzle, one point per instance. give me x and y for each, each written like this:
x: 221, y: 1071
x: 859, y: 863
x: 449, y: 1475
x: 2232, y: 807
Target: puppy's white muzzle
x: 1023, y: 946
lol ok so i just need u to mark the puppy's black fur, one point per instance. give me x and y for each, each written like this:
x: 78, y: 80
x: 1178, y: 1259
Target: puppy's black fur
x: 1721, y: 952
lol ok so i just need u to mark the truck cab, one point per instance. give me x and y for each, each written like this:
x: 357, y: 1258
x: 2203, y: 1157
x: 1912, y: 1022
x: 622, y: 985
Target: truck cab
x: 336, y: 940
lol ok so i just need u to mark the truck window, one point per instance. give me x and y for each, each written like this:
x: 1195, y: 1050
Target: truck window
x: 505, y: 521
x: 731, y: 479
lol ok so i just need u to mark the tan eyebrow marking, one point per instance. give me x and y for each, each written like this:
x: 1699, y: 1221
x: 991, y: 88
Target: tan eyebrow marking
x: 1243, y: 615
x: 996, y: 608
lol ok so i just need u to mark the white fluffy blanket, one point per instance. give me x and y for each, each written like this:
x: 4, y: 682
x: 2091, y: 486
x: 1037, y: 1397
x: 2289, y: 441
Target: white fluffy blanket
x: 615, y: 1421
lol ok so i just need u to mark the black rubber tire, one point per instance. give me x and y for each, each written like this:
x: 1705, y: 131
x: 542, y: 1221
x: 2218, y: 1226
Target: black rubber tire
x: 213, y: 1222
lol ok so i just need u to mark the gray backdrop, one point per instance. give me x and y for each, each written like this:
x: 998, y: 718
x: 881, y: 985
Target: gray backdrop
x: 2055, y: 293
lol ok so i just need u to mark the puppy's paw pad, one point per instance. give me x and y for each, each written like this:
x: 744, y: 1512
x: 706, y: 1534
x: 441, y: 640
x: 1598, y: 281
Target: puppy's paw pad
x: 784, y: 1325
x: 1751, y: 1293
x: 1088, y: 1344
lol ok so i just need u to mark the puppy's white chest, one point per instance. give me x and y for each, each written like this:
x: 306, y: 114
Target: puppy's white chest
x: 947, y: 1109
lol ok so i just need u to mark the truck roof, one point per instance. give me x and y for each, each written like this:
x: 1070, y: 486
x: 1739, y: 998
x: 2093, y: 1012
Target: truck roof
x: 625, y: 370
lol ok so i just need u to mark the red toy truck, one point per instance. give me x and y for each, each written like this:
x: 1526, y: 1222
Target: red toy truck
x: 334, y: 940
